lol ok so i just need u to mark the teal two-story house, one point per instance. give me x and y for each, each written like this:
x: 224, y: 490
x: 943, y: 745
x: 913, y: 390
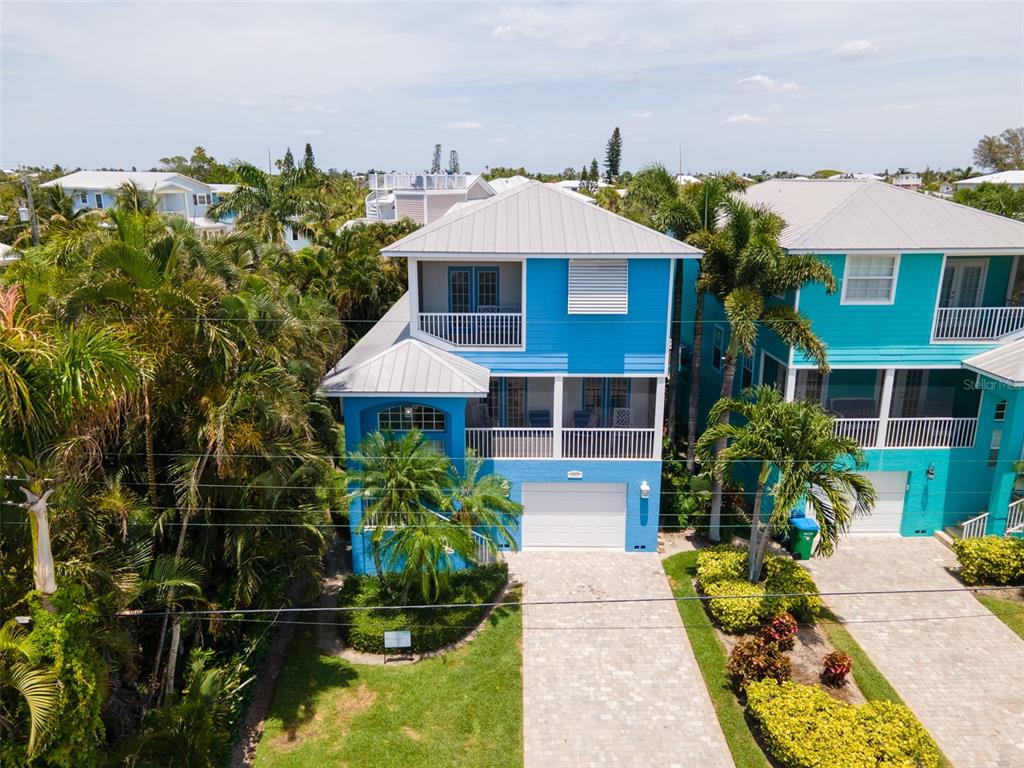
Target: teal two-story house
x: 535, y: 333
x: 925, y: 340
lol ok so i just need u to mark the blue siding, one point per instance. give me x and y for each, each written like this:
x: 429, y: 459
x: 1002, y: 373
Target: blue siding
x: 557, y: 342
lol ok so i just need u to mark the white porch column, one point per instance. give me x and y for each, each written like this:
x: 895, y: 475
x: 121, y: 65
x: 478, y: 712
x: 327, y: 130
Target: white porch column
x: 414, y: 297
x: 883, y: 416
x: 556, y: 418
x: 659, y: 415
x: 790, y: 384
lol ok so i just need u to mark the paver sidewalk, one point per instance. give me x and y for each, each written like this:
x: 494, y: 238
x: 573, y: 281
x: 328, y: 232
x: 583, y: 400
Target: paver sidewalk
x: 958, y: 667
x: 613, y: 684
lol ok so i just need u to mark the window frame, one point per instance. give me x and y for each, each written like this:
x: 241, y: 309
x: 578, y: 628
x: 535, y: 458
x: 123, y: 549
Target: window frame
x: 408, y: 422
x: 999, y: 412
x: 718, y: 348
x: 850, y: 259
x: 995, y: 443
x: 98, y: 199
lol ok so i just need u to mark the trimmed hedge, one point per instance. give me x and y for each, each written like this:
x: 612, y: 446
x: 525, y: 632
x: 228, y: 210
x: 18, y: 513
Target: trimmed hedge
x: 785, y: 576
x: 430, y: 628
x: 991, y: 560
x: 804, y: 727
x: 735, y: 614
x: 720, y: 563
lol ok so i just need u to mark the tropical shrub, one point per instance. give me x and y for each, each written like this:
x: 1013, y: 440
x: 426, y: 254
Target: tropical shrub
x: 719, y: 563
x: 837, y: 666
x: 785, y: 576
x: 431, y: 628
x: 685, y: 497
x: 780, y: 630
x: 803, y: 727
x: 753, y: 659
x: 729, y: 610
x: 991, y: 560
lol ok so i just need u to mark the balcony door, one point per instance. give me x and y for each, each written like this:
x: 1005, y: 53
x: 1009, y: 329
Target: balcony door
x: 963, y: 283
x: 473, y: 289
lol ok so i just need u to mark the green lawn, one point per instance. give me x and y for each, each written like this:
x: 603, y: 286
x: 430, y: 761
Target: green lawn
x: 462, y: 709
x: 870, y: 681
x: 1010, y: 612
x: 711, y: 658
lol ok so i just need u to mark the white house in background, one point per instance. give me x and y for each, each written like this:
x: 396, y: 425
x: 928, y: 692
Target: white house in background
x: 907, y: 181
x: 1012, y: 179
x: 173, y: 194
x: 685, y: 178
x: 856, y: 177
x: 422, y: 197
x: 8, y: 255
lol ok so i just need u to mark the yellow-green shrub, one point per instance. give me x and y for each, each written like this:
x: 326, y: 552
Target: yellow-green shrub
x: 991, y: 560
x: 804, y: 727
x: 731, y: 613
x: 718, y: 563
x: 785, y: 576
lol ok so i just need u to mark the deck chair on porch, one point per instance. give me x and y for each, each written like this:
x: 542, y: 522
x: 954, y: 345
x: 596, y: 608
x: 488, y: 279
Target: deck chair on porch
x: 622, y: 418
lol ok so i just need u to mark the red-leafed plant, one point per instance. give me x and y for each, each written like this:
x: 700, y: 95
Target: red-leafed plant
x: 780, y: 630
x: 755, y: 659
x: 837, y: 666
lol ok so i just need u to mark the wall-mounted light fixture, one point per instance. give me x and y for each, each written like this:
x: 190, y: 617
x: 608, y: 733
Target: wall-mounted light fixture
x: 506, y: 488
x: 645, y: 490
x: 930, y: 472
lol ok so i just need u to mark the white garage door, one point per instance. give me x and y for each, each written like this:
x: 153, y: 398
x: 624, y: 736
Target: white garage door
x: 887, y: 513
x: 574, y: 515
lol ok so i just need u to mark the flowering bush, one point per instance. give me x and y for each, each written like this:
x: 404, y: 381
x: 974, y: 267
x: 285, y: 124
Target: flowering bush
x: 991, y: 560
x: 720, y: 563
x: 739, y: 605
x: 755, y: 659
x: 837, y: 666
x: 780, y: 631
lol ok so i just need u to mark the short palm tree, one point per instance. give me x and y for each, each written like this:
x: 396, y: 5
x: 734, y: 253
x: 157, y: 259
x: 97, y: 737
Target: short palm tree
x: 37, y: 686
x: 800, y: 457
x: 481, y: 501
x: 425, y: 552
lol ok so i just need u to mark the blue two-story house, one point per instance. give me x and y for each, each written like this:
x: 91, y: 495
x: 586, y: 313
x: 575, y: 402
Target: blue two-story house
x: 925, y: 339
x: 535, y: 333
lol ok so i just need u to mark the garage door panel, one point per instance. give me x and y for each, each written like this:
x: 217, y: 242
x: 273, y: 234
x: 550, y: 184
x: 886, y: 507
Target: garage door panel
x: 574, y: 515
x: 887, y: 514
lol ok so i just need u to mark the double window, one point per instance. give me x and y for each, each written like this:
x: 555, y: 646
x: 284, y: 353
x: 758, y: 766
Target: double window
x: 598, y: 287
x: 200, y: 199
x: 402, y: 418
x: 506, y: 401
x: 601, y: 398
x: 870, y: 279
x: 473, y: 289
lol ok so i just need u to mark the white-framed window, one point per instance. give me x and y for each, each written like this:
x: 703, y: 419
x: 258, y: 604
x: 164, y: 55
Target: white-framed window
x: 84, y: 197
x: 747, y: 374
x: 405, y: 417
x: 870, y: 279
x: 1000, y: 412
x: 993, y: 447
x: 718, y: 348
x: 99, y: 200
x: 295, y: 232
x: 598, y: 286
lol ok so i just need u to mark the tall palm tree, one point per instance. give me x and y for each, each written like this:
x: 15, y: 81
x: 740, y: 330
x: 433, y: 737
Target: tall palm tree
x: 745, y: 277
x: 796, y: 444
x: 265, y: 204
x: 481, y: 501
x: 36, y: 685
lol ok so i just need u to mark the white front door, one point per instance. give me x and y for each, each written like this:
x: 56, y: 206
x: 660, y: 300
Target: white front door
x: 963, y: 283
x: 574, y: 515
x: 887, y: 514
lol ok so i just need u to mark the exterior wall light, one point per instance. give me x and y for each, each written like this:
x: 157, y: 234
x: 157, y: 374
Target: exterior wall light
x: 506, y: 488
x: 645, y: 490
x: 930, y: 472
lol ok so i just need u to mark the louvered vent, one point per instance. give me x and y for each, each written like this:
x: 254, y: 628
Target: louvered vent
x: 598, y: 287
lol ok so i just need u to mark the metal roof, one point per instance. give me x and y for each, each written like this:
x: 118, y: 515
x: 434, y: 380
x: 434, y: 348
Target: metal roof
x: 387, y: 361
x: 1003, y: 177
x: 1005, y: 363
x: 537, y: 219
x: 144, y: 180
x: 838, y: 215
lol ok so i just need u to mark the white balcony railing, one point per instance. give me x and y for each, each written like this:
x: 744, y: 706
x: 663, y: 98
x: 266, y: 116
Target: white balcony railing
x: 511, y: 442
x: 1015, y: 517
x: 418, y: 181
x: 975, y: 527
x: 597, y: 443
x: 474, y: 329
x: 977, y: 323
x: 925, y: 432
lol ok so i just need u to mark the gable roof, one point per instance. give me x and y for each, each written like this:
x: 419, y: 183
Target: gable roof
x: 387, y: 361
x: 537, y: 219
x: 144, y: 180
x: 1005, y: 363
x: 839, y: 215
x: 1003, y: 177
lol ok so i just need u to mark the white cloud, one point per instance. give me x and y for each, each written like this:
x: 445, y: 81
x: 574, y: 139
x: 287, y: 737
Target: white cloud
x: 902, y: 107
x: 311, y: 132
x: 765, y: 83
x: 642, y: 115
x: 464, y: 125
x: 516, y: 31
x: 744, y: 119
x: 857, y: 49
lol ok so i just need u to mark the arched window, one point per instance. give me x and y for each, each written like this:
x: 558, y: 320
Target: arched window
x: 400, y: 418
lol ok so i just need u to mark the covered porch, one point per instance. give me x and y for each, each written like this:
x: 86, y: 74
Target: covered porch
x: 896, y: 408
x: 470, y: 304
x: 981, y: 298
x: 558, y: 417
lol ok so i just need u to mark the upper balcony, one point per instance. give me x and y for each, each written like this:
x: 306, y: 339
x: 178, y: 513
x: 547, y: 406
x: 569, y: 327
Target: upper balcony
x: 979, y: 300
x: 417, y: 181
x: 477, y: 304
x: 977, y: 323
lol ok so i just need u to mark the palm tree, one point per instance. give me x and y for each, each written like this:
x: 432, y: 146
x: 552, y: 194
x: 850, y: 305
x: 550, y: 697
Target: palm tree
x: 481, y: 501
x: 745, y: 277
x: 397, y: 478
x: 36, y: 685
x: 425, y: 550
x: 264, y: 204
x: 796, y: 444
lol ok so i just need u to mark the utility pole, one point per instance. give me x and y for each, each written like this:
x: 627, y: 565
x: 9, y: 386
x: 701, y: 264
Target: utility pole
x: 27, y: 183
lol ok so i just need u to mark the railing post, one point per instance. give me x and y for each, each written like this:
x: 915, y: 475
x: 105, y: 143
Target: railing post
x: 556, y: 417
x: 883, y: 416
x: 659, y: 416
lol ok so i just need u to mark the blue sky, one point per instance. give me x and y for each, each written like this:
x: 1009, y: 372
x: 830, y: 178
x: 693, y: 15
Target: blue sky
x: 742, y: 86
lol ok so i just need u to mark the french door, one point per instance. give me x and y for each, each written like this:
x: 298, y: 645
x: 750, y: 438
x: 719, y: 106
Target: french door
x: 963, y: 283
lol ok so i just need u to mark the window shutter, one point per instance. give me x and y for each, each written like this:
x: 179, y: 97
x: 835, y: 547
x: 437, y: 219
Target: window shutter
x: 598, y: 287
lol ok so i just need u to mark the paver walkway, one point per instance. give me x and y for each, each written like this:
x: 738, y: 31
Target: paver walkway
x: 958, y: 667
x: 613, y: 684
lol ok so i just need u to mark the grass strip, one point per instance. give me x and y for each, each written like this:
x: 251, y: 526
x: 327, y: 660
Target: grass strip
x: 1009, y: 612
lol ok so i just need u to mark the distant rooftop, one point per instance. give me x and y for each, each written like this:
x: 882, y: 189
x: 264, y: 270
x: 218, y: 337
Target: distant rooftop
x: 1003, y: 177
x: 144, y: 180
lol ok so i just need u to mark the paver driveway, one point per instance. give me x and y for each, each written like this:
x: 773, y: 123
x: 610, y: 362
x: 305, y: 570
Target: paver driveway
x: 958, y: 667
x: 613, y: 684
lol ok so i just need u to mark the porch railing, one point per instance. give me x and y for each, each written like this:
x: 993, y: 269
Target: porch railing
x: 483, y: 551
x: 1015, y: 517
x: 977, y: 323
x: 945, y: 432
x: 974, y: 527
x: 511, y: 442
x: 424, y: 181
x: 603, y: 443
x: 474, y: 329
x: 924, y: 432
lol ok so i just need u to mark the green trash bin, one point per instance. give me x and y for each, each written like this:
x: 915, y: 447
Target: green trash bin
x: 802, y: 531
